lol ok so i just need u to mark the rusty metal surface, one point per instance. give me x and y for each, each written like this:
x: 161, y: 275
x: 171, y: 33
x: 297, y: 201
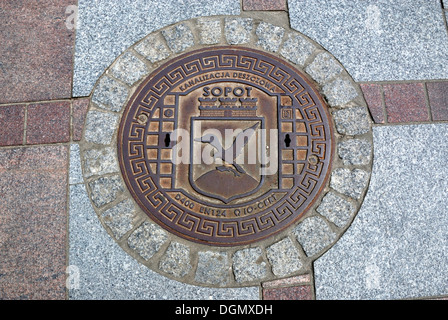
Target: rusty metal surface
x: 198, y: 181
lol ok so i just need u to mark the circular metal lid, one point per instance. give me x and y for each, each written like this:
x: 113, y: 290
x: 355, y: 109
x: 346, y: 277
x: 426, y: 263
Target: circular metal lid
x: 225, y: 146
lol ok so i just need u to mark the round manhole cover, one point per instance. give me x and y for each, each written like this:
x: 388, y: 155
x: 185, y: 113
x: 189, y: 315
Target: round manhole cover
x: 225, y: 146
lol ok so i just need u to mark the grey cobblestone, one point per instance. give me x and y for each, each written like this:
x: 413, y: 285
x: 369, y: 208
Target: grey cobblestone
x: 120, y: 218
x: 269, y: 36
x: 356, y: 152
x: 249, y: 265
x: 100, y: 127
x: 176, y: 260
x: 339, y: 92
x: 213, y: 268
x: 105, y: 190
x: 238, y: 30
x: 284, y: 258
x: 349, y: 182
x: 100, y: 161
x: 323, y: 68
x: 314, y: 235
x: 147, y: 240
x: 153, y: 48
x: 129, y: 68
x: 209, y: 30
x: 352, y: 121
x: 110, y: 95
x: 336, y: 209
x: 179, y: 37
x: 297, y: 49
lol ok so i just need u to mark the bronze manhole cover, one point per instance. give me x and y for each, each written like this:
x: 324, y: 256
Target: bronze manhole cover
x: 225, y: 146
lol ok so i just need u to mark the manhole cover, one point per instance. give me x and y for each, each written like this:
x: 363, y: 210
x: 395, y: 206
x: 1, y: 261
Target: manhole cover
x: 225, y: 146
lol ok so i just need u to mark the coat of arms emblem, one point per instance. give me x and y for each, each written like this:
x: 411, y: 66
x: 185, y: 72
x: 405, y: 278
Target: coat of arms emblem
x: 226, y: 139
x: 225, y: 146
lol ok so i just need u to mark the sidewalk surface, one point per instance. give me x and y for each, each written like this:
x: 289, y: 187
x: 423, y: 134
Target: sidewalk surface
x: 52, y: 53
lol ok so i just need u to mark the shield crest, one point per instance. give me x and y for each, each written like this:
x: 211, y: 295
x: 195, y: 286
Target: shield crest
x: 226, y: 156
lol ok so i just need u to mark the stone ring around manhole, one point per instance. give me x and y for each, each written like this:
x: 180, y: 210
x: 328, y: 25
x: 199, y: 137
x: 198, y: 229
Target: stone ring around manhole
x: 237, y: 157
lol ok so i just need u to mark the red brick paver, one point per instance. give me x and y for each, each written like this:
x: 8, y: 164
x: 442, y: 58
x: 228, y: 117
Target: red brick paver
x: 33, y: 219
x: 405, y: 102
x: 438, y: 99
x: 48, y: 123
x: 288, y: 293
x: 264, y: 5
x: 79, y: 111
x: 374, y: 98
x: 36, y: 50
x: 12, y: 119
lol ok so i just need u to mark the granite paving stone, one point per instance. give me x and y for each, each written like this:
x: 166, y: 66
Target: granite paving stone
x: 352, y: 121
x: 36, y: 51
x: 100, y: 161
x: 147, y: 240
x: 269, y: 36
x: 323, y: 68
x: 297, y: 49
x: 288, y: 282
x: 33, y: 215
x: 408, y: 38
x: 355, y: 152
x: 12, y: 124
x: 48, y: 122
x: 120, y: 218
x: 176, y: 260
x: 238, y: 30
x: 249, y: 265
x: 179, y: 37
x: 100, y: 127
x: 75, y: 170
x: 314, y: 235
x: 339, y: 92
x: 284, y: 258
x: 110, y: 94
x: 210, y: 30
x: 349, y: 182
x: 438, y: 99
x: 405, y: 102
x: 129, y: 68
x: 213, y: 268
x: 153, y: 48
x: 105, y: 190
x: 102, y: 37
x: 396, y: 245
x: 106, y: 272
x: 336, y: 209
